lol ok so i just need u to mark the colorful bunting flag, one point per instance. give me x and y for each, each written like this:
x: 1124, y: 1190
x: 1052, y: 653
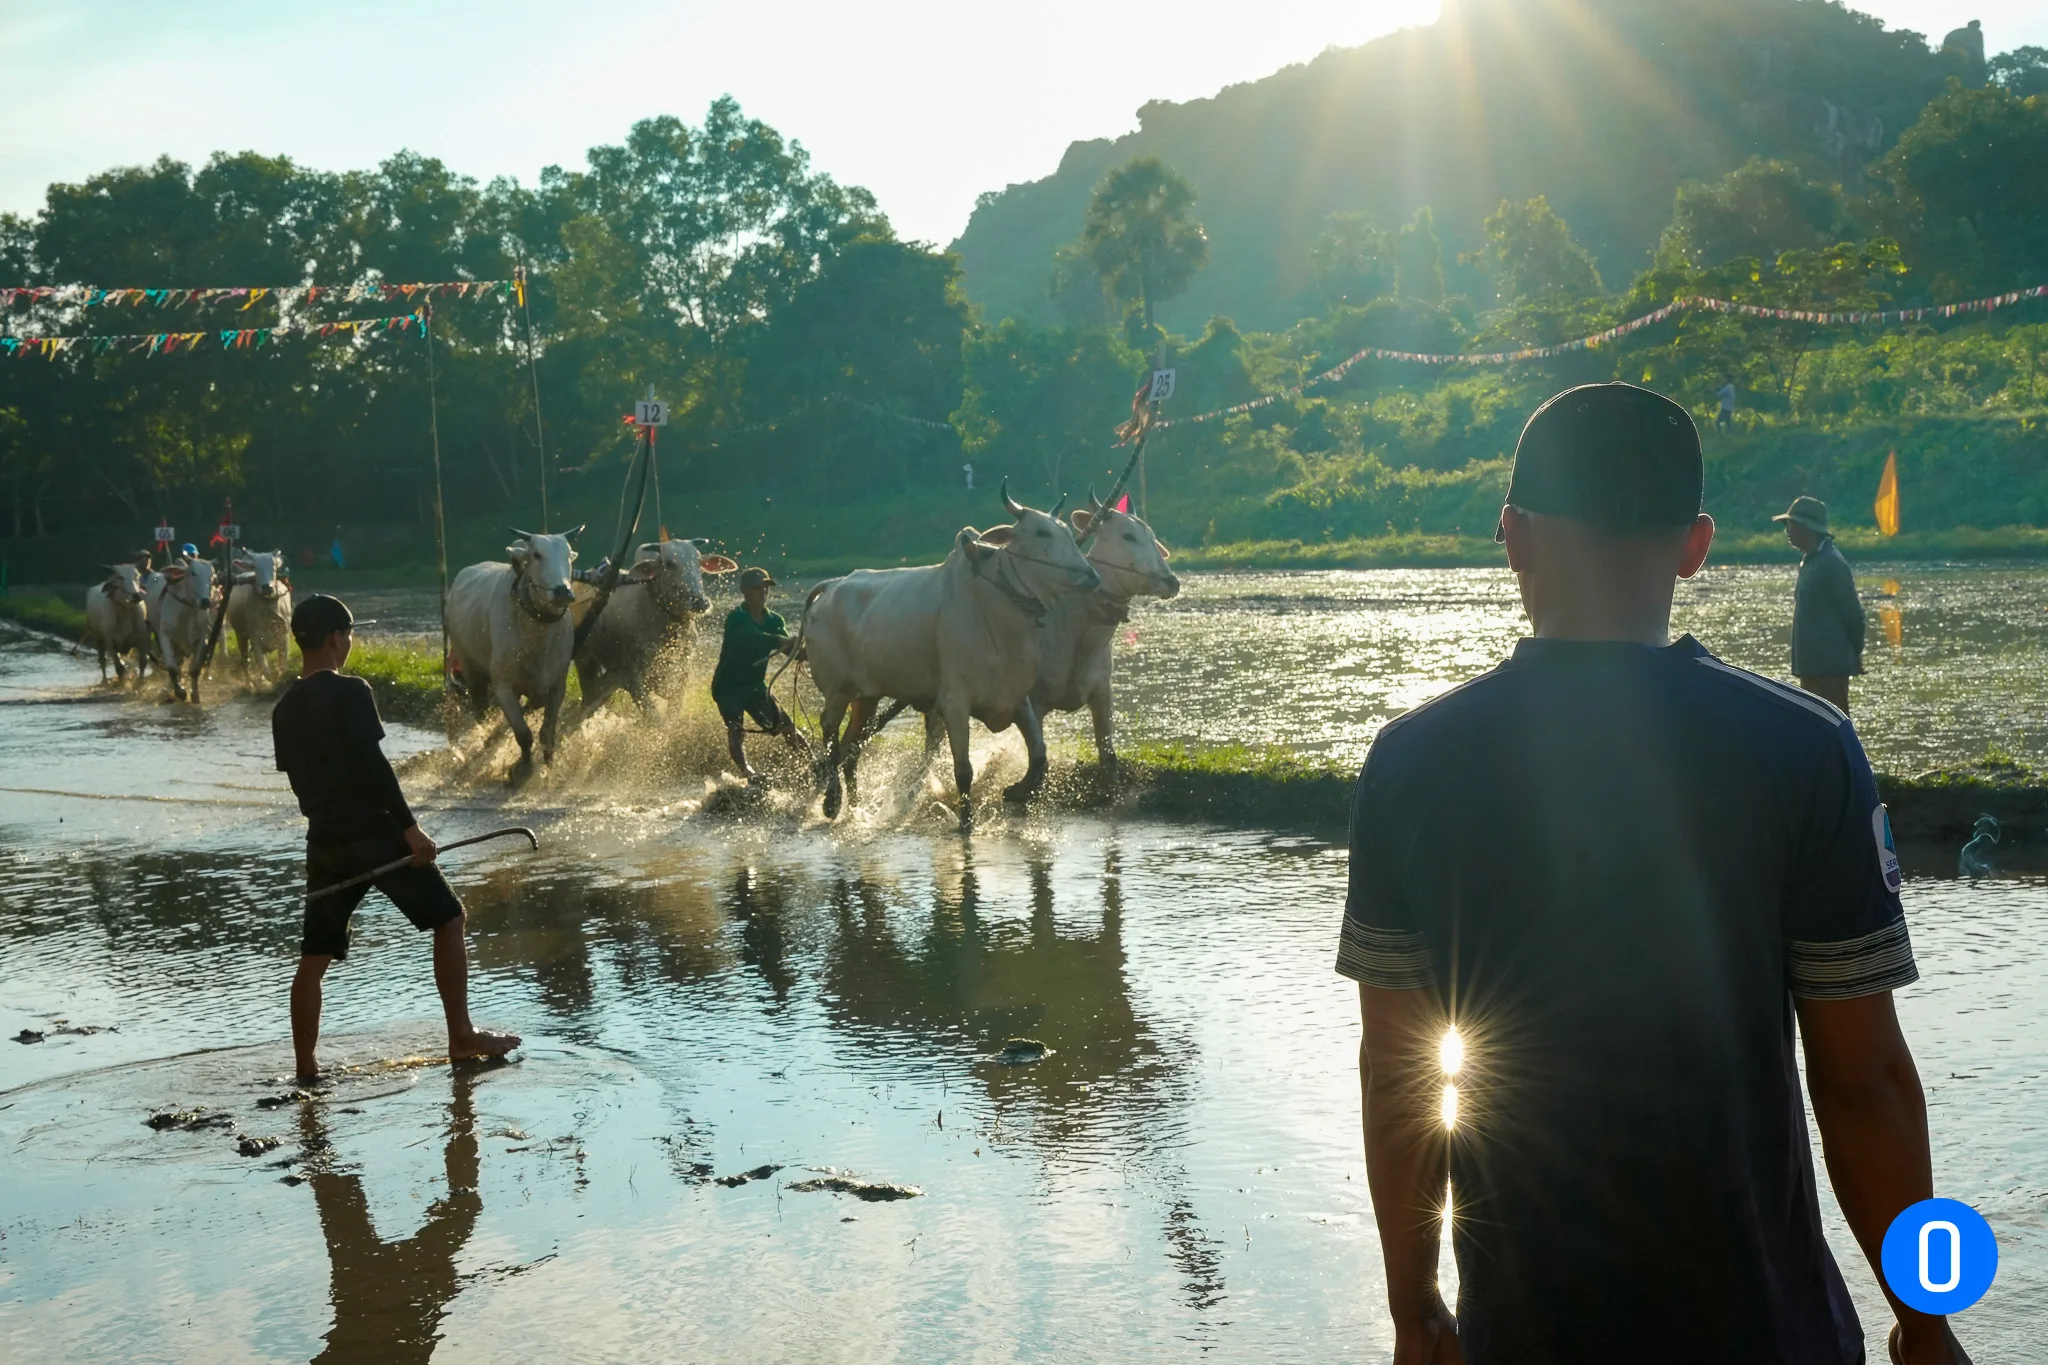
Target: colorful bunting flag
x: 230, y: 338
x: 1672, y: 309
x: 95, y: 296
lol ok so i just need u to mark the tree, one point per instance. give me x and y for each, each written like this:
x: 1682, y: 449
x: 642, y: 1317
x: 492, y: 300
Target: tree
x: 1419, y: 260
x: 2023, y: 71
x: 1077, y: 291
x: 1353, y: 259
x: 1761, y: 209
x: 1531, y: 256
x: 1141, y: 236
x: 1041, y: 398
x: 1965, y: 191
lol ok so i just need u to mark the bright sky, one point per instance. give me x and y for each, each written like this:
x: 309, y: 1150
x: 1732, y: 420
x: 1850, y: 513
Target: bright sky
x: 925, y: 102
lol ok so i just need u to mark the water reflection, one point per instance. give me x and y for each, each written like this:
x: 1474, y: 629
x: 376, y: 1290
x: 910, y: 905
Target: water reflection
x: 965, y: 974
x: 390, y: 1295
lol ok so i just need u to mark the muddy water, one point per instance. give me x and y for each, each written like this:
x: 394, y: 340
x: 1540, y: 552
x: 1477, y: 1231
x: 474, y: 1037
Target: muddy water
x: 708, y: 995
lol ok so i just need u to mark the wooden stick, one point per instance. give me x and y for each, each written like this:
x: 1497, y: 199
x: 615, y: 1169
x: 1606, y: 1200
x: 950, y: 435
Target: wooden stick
x: 532, y: 841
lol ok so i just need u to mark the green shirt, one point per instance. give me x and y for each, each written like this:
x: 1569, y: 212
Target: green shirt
x: 743, y: 658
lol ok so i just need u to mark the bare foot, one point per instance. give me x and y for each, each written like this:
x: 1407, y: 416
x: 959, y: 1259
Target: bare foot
x: 480, y: 1044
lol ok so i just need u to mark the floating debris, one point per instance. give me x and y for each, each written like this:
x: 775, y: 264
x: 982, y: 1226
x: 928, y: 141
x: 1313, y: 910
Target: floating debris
x: 758, y: 1173
x: 838, y: 1182
x: 1023, y: 1052
x: 188, y: 1120
x: 291, y: 1180
x: 256, y: 1146
x: 28, y: 1035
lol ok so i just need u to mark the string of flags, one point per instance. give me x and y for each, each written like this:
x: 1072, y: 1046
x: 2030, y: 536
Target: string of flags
x: 226, y: 338
x: 94, y: 296
x: 1669, y: 310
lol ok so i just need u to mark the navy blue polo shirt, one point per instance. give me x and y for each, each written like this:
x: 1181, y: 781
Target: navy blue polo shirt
x: 1616, y: 866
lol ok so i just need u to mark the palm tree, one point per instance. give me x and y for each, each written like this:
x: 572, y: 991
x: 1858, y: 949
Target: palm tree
x: 1140, y: 234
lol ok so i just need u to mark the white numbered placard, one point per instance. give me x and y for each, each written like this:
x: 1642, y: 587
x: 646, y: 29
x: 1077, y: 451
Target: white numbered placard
x: 230, y: 531
x: 1162, y: 386
x: 650, y: 413
x: 166, y: 535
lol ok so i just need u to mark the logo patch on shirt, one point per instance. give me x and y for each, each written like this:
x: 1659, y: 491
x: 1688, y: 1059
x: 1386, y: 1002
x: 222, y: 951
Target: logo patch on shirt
x: 1887, y: 851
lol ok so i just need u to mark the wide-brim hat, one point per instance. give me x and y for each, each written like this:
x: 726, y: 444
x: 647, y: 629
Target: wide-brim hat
x: 1811, y: 513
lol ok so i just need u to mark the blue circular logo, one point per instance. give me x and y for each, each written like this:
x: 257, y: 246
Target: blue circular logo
x: 1940, y: 1256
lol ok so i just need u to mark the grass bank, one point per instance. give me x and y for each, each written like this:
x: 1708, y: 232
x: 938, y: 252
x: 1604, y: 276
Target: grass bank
x: 43, y: 610
x: 1421, y: 551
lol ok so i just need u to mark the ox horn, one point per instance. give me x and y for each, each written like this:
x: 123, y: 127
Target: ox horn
x: 523, y: 535
x: 571, y: 535
x: 1055, y: 513
x: 1097, y: 503
x: 1010, y: 504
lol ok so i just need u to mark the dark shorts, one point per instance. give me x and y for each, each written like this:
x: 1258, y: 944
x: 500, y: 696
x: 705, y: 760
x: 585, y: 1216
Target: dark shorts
x: 760, y: 705
x: 422, y: 893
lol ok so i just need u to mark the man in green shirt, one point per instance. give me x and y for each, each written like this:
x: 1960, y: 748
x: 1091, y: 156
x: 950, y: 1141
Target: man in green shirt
x: 739, y: 686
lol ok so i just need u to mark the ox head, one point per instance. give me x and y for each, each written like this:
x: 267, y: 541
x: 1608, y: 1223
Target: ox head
x: 676, y: 569
x: 124, y: 584
x: 266, y: 573
x: 1123, y: 547
x: 541, y: 564
x: 190, y: 579
x: 1036, y: 548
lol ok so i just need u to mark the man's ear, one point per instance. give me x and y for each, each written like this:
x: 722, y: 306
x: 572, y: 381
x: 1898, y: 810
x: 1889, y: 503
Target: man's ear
x: 1699, y: 538
x: 1514, y: 533
x: 1081, y: 518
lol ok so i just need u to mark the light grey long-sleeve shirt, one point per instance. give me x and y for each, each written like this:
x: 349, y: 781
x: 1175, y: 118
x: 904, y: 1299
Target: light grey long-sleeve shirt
x: 1827, y: 616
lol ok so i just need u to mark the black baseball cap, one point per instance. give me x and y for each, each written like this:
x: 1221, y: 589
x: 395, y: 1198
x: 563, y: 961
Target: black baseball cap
x: 1613, y: 455
x: 319, y: 616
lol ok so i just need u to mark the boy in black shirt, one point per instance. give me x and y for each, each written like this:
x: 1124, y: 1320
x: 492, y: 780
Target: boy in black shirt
x: 326, y: 731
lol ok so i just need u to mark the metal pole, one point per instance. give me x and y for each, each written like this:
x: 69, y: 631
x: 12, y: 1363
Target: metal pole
x: 533, y: 372
x: 440, y: 512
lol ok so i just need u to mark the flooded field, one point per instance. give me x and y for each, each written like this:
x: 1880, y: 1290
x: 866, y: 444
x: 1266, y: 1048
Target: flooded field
x: 1319, y: 661
x: 750, y: 1039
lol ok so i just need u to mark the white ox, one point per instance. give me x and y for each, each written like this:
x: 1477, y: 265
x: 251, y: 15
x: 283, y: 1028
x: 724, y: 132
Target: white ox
x: 117, y: 619
x: 260, y: 610
x: 644, y: 630
x: 958, y: 640
x: 510, y: 636
x: 1074, y: 670
x: 183, y: 603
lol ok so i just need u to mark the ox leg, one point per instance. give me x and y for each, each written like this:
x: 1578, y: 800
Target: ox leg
x: 551, y: 720
x: 1034, y: 749
x: 196, y: 663
x: 857, y: 717
x: 595, y: 684
x: 1105, y: 726
x: 963, y: 760
x: 102, y: 651
x: 829, y: 731
x: 507, y: 697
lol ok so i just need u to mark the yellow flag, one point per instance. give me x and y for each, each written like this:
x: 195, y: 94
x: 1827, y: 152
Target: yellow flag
x: 1888, y: 496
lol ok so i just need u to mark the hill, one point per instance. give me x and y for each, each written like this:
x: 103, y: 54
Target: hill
x: 1605, y: 106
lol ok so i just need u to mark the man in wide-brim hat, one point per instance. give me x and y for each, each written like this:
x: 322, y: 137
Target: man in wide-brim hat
x: 1827, y: 616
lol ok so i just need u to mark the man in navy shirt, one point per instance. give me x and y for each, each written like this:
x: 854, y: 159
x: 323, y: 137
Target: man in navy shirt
x: 1619, y: 869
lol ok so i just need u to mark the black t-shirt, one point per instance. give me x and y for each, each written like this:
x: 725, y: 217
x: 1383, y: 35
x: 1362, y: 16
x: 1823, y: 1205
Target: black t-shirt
x: 1616, y: 866
x: 325, y: 729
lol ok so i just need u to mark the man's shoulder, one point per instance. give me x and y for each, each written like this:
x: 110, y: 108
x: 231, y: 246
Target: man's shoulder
x: 1739, y: 688
x: 1440, y: 719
